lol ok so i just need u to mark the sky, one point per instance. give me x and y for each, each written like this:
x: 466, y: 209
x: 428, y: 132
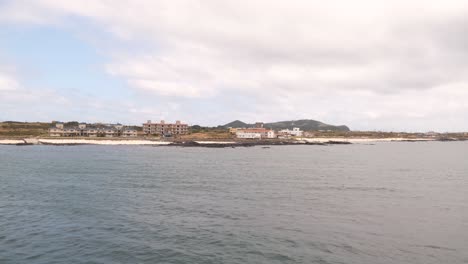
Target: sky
x: 372, y: 65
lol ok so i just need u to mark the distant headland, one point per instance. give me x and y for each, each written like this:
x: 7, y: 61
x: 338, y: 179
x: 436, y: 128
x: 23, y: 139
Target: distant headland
x: 235, y: 133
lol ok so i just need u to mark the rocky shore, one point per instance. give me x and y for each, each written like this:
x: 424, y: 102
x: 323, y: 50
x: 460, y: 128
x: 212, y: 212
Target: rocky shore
x: 206, y: 144
x: 212, y: 144
x: 247, y: 144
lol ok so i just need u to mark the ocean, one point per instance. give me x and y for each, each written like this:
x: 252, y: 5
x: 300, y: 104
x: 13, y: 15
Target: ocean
x: 361, y: 203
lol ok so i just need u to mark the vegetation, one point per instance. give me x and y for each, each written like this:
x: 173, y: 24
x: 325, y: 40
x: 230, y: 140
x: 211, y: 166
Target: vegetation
x: 237, y: 124
x: 72, y: 123
x: 380, y: 134
x: 22, y: 129
x: 303, y: 124
x: 137, y: 128
x: 201, y: 129
x: 11, y: 129
x: 206, y: 133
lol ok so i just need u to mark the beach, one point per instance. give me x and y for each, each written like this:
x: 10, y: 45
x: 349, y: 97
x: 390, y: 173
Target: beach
x: 207, y: 143
x: 363, y: 140
x: 80, y: 142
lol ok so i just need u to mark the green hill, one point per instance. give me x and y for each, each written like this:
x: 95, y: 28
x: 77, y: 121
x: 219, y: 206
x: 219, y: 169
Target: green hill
x: 236, y: 124
x: 303, y: 124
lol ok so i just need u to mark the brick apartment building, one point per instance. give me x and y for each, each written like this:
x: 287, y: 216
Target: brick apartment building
x: 165, y: 129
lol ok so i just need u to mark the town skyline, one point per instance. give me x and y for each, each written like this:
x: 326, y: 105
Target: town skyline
x: 369, y: 65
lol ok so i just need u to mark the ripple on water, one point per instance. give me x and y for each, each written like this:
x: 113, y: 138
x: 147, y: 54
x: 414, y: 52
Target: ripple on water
x: 384, y: 203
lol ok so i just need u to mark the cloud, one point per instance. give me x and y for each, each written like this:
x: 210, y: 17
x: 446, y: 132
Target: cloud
x: 353, y: 62
x: 7, y: 82
x: 8, y: 79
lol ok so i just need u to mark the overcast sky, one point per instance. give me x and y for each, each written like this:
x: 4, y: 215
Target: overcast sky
x: 371, y: 65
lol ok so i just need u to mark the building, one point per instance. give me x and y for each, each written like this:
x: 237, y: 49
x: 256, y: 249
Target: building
x: 165, y: 129
x: 271, y: 134
x: 255, y: 133
x: 96, y: 130
x: 295, y: 132
x: 128, y: 132
x: 308, y: 134
x: 259, y: 125
x: 233, y: 130
x: 248, y: 134
x: 57, y: 130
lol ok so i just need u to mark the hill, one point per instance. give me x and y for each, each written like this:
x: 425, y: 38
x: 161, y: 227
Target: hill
x: 303, y: 124
x: 236, y: 124
x: 306, y: 125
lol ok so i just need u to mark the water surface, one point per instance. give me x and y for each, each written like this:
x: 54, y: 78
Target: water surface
x: 383, y: 203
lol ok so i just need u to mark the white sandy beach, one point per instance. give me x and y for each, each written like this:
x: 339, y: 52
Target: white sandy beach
x: 101, y: 142
x: 10, y: 141
x: 154, y: 143
x: 360, y: 140
x: 216, y: 142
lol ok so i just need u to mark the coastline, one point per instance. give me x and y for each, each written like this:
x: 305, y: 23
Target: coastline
x: 367, y: 140
x: 210, y: 143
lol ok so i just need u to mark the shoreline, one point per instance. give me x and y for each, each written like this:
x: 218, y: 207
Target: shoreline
x: 213, y: 143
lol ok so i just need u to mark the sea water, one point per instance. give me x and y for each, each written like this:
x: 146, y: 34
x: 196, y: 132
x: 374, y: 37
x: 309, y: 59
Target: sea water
x: 382, y: 203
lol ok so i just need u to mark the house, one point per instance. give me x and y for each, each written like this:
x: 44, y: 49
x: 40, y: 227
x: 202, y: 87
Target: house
x: 248, y: 133
x: 271, y: 134
x: 92, y: 132
x: 295, y: 132
x: 57, y: 130
x: 129, y: 132
x: 165, y: 129
x: 255, y: 133
x: 95, y: 130
x: 233, y: 130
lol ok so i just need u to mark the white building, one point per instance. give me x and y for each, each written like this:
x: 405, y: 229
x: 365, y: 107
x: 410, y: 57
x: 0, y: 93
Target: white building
x: 247, y: 134
x: 255, y: 133
x: 271, y: 134
x: 129, y: 133
x: 97, y: 130
x: 296, y: 132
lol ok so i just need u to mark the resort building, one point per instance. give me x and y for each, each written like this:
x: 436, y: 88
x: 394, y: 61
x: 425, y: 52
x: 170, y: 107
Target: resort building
x: 57, y: 130
x: 165, y: 129
x: 295, y: 132
x: 128, y: 132
x: 255, y: 133
x: 271, y: 134
x: 96, y: 130
x: 233, y: 130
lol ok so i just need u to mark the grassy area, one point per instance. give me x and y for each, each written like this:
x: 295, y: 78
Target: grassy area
x: 377, y: 134
x: 362, y: 134
x: 22, y: 129
x: 208, y: 135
